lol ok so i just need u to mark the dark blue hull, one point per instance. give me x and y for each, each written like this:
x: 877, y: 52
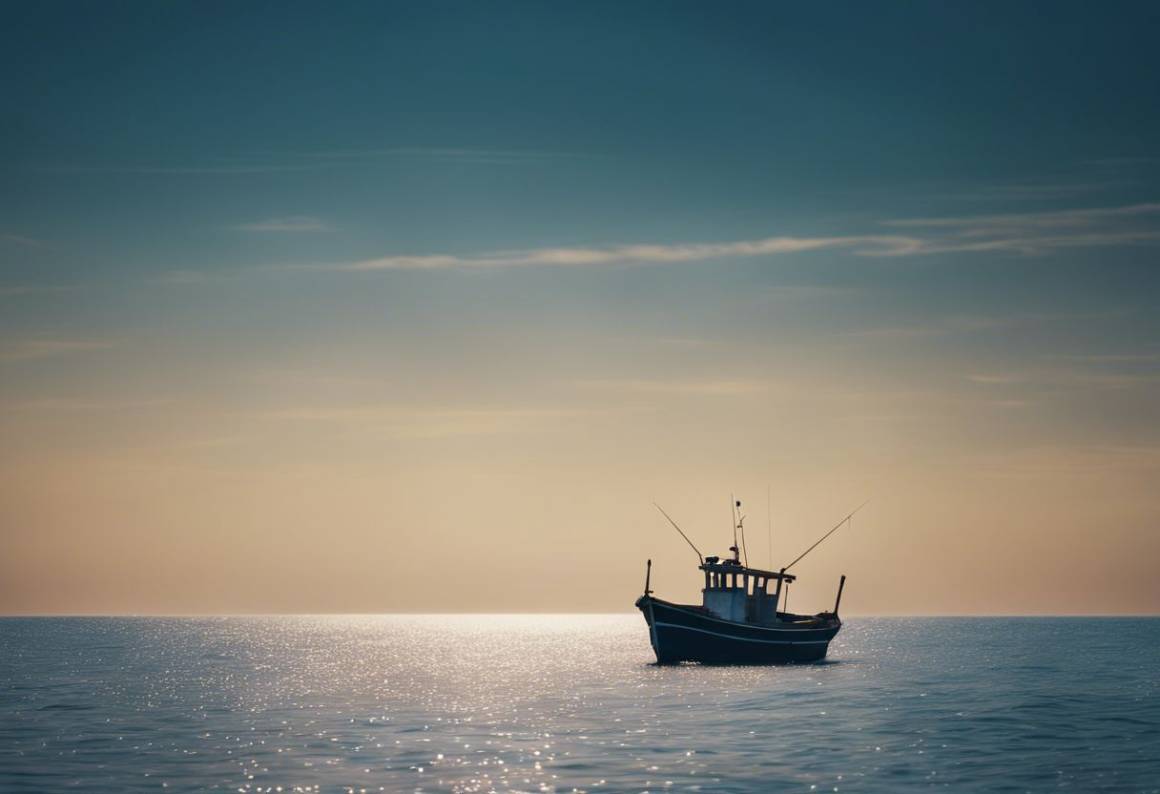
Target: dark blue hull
x: 689, y: 634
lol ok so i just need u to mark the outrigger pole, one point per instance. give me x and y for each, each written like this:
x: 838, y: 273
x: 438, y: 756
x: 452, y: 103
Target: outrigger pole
x: 700, y: 556
x: 823, y: 537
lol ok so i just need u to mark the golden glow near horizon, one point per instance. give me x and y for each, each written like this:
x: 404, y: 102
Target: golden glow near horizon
x: 516, y: 473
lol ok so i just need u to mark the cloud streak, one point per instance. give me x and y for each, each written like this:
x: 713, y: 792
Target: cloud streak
x: 1014, y: 233
x: 292, y: 162
x: 1053, y: 219
x: 291, y: 223
x: 32, y: 289
x: 19, y: 239
x: 965, y: 323
x: 446, y: 155
x: 45, y: 347
x: 709, y: 387
x: 634, y: 254
x: 242, y: 169
x: 1078, y: 379
x: 409, y: 422
x: 1032, y: 233
x: 1037, y: 191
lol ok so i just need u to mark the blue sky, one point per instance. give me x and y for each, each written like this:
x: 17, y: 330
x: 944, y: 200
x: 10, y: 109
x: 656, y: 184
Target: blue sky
x: 920, y: 234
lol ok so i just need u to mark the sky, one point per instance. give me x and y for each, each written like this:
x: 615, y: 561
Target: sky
x: 374, y: 307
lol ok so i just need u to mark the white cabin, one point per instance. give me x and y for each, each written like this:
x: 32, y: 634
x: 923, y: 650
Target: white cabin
x: 740, y: 594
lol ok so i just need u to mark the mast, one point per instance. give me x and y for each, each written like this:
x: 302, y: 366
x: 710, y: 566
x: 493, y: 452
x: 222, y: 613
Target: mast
x: 741, y: 529
x: 769, y: 526
x: 733, y: 505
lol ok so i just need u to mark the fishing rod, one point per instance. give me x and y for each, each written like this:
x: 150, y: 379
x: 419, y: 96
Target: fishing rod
x: 700, y: 556
x: 823, y: 537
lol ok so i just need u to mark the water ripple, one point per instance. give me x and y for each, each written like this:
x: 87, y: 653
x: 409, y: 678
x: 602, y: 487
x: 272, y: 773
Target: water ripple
x: 570, y: 703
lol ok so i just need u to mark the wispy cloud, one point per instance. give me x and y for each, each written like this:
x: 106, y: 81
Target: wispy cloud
x: 1031, y: 233
x: 996, y: 380
x: 632, y: 254
x: 291, y: 223
x: 1032, y: 245
x: 291, y: 162
x: 56, y: 406
x: 1052, y: 219
x: 971, y: 323
x: 410, y: 422
x: 209, y: 169
x: 1036, y: 191
x: 32, y: 289
x: 1022, y: 233
x: 1069, y: 461
x: 1118, y: 162
x: 1112, y: 358
x: 181, y: 277
x: 46, y: 347
x: 446, y: 154
x: 1079, y: 379
x: 711, y: 387
x: 19, y: 239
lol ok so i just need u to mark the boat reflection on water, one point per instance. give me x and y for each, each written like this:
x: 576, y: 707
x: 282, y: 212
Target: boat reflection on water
x: 741, y: 618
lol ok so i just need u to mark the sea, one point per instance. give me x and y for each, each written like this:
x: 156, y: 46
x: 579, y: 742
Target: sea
x: 479, y: 703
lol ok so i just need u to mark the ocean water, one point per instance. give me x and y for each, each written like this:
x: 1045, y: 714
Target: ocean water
x: 478, y: 703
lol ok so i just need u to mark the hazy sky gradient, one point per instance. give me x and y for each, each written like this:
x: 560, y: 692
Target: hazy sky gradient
x: 418, y: 307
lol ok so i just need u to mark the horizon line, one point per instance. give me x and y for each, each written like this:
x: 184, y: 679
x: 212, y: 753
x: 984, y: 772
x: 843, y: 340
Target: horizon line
x: 19, y: 615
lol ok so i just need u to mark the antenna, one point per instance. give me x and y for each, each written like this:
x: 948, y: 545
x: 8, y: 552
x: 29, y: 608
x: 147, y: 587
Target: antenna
x: 741, y: 526
x: 769, y: 527
x: 683, y: 535
x: 733, y: 505
x: 823, y: 537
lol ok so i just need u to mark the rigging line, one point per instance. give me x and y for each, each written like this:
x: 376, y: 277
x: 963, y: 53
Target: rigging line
x: 741, y: 526
x: 769, y: 527
x: 823, y: 537
x: 733, y: 515
x: 683, y: 535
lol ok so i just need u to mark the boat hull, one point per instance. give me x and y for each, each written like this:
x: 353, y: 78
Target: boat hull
x: 687, y: 634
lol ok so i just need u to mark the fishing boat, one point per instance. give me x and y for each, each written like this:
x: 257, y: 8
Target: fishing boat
x: 742, y: 617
